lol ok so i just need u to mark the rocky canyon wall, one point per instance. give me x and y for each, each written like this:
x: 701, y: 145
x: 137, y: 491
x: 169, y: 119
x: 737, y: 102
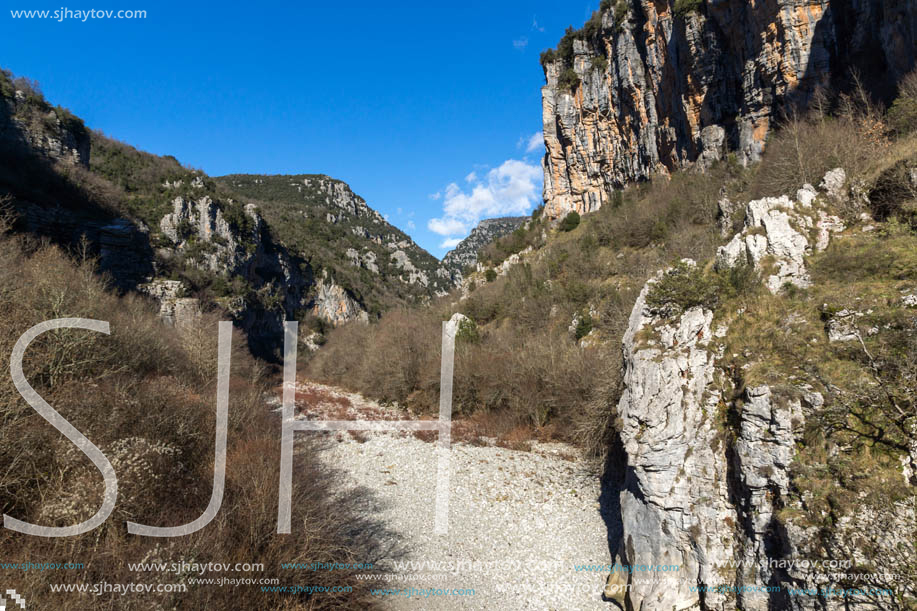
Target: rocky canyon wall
x: 648, y: 88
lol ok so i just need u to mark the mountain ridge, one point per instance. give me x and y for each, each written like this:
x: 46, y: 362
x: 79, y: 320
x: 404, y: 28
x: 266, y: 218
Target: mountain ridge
x: 192, y: 241
x: 486, y: 231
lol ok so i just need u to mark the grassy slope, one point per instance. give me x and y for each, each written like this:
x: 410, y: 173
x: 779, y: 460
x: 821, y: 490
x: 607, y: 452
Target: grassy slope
x: 122, y: 180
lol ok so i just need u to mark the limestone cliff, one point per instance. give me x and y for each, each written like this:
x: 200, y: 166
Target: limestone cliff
x: 649, y: 86
x: 715, y: 454
x: 374, y: 257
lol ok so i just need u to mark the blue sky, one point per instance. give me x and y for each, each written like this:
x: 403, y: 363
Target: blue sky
x: 430, y: 111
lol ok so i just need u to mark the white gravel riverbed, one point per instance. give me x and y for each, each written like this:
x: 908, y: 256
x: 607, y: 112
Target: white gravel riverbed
x: 518, y: 524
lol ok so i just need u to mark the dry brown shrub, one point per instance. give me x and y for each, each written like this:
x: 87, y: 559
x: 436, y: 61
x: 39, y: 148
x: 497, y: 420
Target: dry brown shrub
x: 805, y: 147
x: 389, y: 361
x: 146, y: 396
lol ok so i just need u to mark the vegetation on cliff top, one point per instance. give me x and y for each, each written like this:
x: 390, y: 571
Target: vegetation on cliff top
x: 34, y: 106
x: 591, y: 32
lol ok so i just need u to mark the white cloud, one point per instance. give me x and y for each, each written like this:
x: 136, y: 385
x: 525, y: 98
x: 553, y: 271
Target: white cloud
x: 535, y: 25
x: 471, y: 177
x: 445, y: 226
x: 450, y: 243
x: 521, y: 43
x: 535, y: 142
x: 510, y: 189
x: 411, y: 225
x: 435, y: 196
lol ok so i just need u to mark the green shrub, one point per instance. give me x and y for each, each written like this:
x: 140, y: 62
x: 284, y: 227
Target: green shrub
x: 490, y: 275
x: 593, y: 27
x: 621, y: 11
x: 569, y: 79
x: 684, y: 7
x: 600, y: 63
x: 570, y: 222
x: 185, y: 230
x: 547, y: 56
x: 739, y: 281
x: 468, y: 332
x: 617, y: 198
x: 241, y: 223
x: 583, y: 327
x: 902, y: 116
x: 681, y: 288
x: 565, y: 46
x: 6, y: 84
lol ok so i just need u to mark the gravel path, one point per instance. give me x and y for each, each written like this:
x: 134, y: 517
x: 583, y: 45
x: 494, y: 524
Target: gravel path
x: 519, y: 521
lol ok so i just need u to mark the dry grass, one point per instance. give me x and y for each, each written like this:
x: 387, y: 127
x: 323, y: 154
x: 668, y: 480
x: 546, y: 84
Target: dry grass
x: 524, y: 375
x: 145, y: 396
x: 805, y: 147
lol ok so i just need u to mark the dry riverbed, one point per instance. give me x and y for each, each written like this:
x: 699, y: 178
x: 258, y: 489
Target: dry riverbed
x: 519, y: 521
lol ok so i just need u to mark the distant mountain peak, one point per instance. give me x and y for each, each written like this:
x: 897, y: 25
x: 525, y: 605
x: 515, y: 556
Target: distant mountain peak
x: 466, y: 252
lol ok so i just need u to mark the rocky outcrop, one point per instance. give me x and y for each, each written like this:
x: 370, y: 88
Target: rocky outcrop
x: 465, y: 254
x: 675, y: 497
x: 509, y: 263
x: 653, y: 90
x: 333, y: 304
x: 775, y: 233
x: 175, y: 308
x: 708, y: 464
x: 29, y: 124
x: 297, y: 206
x: 366, y: 259
x: 200, y: 226
x: 281, y: 286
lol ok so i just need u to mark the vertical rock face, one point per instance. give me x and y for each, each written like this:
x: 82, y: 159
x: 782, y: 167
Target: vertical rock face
x: 709, y: 464
x: 284, y: 286
x: 675, y: 497
x: 659, y: 90
x: 197, y: 222
x: 333, y: 304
